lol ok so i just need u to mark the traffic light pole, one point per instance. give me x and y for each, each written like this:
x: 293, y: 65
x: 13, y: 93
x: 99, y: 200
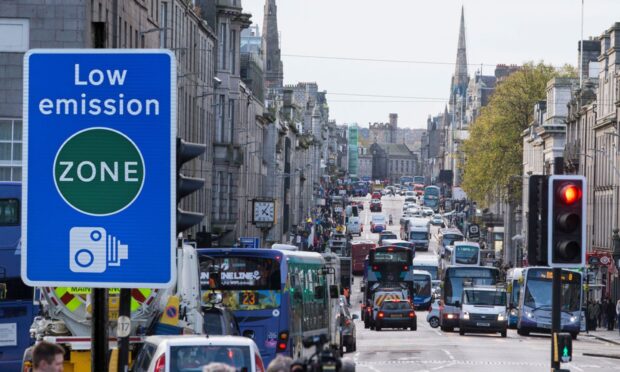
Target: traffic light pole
x: 556, y: 313
x: 123, y: 338
x: 99, y: 331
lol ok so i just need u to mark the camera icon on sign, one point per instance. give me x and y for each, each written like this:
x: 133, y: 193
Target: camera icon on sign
x: 93, y: 250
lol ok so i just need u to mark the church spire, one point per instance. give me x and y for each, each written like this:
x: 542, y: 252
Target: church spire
x: 460, y: 79
x: 271, y: 47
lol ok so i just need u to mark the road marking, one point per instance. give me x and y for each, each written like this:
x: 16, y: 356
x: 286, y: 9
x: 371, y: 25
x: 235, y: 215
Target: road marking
x: 448, y: 354
x: 577, y: 368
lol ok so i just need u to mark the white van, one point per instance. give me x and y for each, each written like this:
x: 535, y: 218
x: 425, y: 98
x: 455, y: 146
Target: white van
x: 354, y: 226
x: 418, y: 232
x: 483, y: 310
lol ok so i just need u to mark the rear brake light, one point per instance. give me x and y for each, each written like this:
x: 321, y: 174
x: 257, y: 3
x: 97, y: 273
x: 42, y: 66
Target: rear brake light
x: 160, y: 365
x: 260, y: 367
x: 381, y: 315
x: 412, y: 314
x: 405, y: 267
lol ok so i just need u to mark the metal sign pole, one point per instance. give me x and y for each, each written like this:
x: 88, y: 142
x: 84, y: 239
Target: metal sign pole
x: 556, y: 317
x: 122, y: 330
x: 99, y: 331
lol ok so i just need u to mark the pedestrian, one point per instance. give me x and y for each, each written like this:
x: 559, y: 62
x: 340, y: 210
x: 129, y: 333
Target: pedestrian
x: 611, y: 316
x: 618, y: 313
x: 591, y: 316
x: 281, y: 363
x: 47, y: 357
x: 604, y: 307
x: 599, y: 315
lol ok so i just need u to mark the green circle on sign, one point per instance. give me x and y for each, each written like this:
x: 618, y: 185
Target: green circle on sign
x: 99, y: 171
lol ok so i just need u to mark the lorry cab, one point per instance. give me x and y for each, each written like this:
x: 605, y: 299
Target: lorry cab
x: 418, y: 233
x: 483, y: 309
x: 354, y: 225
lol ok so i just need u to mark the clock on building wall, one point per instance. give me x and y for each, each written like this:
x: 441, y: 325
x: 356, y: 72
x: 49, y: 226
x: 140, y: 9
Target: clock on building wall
x: 264, y: 212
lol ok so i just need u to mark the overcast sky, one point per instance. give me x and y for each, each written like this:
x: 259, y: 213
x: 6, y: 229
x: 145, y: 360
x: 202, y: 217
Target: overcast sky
x: 498, y: 31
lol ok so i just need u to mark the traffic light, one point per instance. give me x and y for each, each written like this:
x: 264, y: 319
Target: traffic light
x: 562, y: 347
x: 537, y: 220
x: 567, y: 221
x: 187, y: 151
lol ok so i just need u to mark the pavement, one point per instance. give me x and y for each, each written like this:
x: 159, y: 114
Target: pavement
x: 429, y: 349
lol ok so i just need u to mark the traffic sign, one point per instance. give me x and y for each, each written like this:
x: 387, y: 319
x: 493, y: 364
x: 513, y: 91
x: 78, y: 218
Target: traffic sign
x: 252, y: 242
x: 99, y: 190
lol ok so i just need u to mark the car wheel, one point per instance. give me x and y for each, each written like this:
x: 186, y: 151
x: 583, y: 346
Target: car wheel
x: 378, y: 328
x: 415, y: 325
x: 434, y: 322
x: 573, y: 335
x: 523, y: 332
x: 461, y: 332
x: 504, y: 333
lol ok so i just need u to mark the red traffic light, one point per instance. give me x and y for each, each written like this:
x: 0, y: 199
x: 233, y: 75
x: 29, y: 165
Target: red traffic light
x: 570, y: 194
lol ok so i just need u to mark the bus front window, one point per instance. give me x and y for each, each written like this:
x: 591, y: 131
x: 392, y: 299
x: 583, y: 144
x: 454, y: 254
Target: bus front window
x: 246, y: 283
x: 466, y: 255
x: 538, y: 295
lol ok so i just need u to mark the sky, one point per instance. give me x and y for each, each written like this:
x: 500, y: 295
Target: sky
x: 497, y: 31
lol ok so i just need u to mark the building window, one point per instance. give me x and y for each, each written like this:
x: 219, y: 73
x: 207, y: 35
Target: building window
x: 233, y: 50
x: 98, y: 32
x: 10, y: 149
x: 14, y: 35
x: 219, y: 127
x: 231, y: 119
x: 217, y: 195
x: 222, y: 46
x: 229, y: 196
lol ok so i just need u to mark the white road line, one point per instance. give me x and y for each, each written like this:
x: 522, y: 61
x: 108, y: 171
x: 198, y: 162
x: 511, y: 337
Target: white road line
x: 577, y: 368
x: 448, y: 353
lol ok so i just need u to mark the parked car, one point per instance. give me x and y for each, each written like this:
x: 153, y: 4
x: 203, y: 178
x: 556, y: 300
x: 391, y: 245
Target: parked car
x: 191, y: 353
x: 375, y: 205
x: 347, y: 326
x: 220, y: 321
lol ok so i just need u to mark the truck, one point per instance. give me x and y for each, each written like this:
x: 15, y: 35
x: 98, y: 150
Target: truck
x: 417, y: 231
x: 66, y: 314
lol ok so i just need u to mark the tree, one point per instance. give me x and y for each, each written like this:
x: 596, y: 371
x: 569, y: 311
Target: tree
x: 494, y: 150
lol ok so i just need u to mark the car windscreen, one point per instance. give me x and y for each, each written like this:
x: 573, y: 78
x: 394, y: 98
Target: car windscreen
x: 391, y: 305
x: 189, y: 358
x: 418, y: 235
x: 488, y: 298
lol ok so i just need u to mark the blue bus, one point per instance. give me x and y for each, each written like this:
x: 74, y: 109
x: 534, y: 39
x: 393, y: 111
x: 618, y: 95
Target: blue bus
x: 278, y: 297
x: 454, y: 278
x: 431, y: 197
x: 514, y: 279
x: 17, y: 308
x: 420, y: 180
x: 422, y: 282
x: 534, y: 311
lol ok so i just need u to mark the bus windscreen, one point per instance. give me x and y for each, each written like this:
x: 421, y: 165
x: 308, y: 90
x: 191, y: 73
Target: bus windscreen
x: 245, y: 283
x: 466, y: 255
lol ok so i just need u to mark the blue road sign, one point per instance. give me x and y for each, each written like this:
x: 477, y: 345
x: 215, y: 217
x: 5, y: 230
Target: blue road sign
x: 99, y: 188
x: 249, y: 242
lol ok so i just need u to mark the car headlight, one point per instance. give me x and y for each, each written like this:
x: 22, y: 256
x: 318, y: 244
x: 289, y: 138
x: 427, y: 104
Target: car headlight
x: 466, y: 315
x: 501, y: 317
x: 573, y: 319
x: 513, y: 312
x: 529, y: 315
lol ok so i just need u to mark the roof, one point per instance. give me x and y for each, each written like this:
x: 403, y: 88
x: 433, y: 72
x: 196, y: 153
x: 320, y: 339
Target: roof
x: 397, y: 149
x: 200, y: 340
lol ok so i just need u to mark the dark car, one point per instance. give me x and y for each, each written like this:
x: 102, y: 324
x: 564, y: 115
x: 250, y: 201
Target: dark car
x: 375, y: 205
x: 220, y: 321
x: 347, y: 326
x: 396, y: 314
x: 386, y: 235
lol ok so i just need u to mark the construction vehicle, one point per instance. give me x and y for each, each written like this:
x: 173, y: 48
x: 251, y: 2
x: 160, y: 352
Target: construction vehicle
x: 67, y: 314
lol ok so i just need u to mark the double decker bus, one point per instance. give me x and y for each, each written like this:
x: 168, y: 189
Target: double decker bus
x: 387, y: 266
x: 359, y: 252
x: 278, y: 297
x: 534, y: 311
x: 17, y: 308
x: 455, y: 277
x: 431, y: 197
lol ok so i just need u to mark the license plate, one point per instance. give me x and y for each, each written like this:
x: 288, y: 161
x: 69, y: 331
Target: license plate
x: 396, y: 316
x: 479, y: 324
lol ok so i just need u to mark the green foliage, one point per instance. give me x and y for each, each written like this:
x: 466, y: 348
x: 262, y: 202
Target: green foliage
x: 494, y: 150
